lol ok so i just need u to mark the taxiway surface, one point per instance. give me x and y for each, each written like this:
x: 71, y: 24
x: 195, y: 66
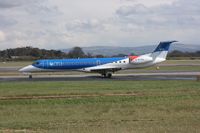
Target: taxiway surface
x: 117, y: 77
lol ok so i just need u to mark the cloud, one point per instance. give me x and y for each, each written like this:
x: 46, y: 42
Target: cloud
x: 89, y: 25
x: 15, y: 3
x: 2, y: 36
x: 8, y: 3
x: 168, y: 15
x: 6, y: 22
x: 66, y: 23
x: 131, y: 10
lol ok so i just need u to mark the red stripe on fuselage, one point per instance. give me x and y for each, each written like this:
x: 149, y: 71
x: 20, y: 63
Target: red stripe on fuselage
x: 133, y: 57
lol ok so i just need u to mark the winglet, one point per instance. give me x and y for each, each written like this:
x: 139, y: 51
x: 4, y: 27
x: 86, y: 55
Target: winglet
x: 164, y: 46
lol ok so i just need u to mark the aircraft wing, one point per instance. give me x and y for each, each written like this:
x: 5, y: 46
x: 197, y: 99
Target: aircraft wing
x: 105, y: 69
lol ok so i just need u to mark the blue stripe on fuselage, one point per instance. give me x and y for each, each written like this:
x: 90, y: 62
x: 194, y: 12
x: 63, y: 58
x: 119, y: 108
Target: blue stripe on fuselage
x: 74, y: 63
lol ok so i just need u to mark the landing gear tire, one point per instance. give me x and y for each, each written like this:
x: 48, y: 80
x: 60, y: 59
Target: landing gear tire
x: 107, y: 75
x: 30, y: 76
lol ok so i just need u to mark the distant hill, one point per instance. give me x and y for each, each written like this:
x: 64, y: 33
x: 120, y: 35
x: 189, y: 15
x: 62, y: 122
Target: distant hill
x: 110, y: 51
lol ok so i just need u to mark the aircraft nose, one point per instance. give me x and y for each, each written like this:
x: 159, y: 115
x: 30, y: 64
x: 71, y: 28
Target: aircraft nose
x: 28, y: 68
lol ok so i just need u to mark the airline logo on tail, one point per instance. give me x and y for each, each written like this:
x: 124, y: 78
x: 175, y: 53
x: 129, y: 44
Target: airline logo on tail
x: 164, y: 46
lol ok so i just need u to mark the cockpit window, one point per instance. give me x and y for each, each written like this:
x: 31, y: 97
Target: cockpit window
x: 36, y: 63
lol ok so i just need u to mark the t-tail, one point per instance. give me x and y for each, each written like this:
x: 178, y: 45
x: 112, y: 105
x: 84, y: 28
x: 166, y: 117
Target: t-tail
x: 160, y: 53
x: 157, y: 56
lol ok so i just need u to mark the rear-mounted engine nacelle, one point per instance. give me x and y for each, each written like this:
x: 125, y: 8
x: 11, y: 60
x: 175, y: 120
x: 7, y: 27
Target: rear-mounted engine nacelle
x: 140, y: 60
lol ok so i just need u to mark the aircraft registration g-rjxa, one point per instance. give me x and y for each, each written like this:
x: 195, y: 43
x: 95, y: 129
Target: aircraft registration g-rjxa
x: 104, y: 66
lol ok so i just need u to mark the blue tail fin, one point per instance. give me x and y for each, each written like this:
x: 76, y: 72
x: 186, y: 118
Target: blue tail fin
x: 164, y: 46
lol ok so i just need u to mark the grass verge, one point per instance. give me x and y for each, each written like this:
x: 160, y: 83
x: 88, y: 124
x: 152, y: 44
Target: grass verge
x: 156, y: 106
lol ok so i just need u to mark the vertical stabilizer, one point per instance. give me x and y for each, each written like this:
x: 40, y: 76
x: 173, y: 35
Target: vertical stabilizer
x: 160, y: 53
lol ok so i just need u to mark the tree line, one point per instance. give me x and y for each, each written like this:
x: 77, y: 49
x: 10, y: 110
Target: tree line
x: 177, y: 53
x: 30, y: 53
x: 184, y: 55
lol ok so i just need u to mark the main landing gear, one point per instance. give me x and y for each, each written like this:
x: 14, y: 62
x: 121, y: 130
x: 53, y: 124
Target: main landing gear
x: 30, y: 76
x: 107, y: 75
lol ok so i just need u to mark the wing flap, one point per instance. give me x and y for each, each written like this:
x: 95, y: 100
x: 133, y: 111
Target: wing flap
x: 106, y: 69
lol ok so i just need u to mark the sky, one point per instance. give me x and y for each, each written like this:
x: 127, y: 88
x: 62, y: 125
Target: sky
x: 60, y: 24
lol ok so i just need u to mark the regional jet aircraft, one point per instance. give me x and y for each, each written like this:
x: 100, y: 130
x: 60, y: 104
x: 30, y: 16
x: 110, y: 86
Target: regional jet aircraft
x: 104, y: 66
